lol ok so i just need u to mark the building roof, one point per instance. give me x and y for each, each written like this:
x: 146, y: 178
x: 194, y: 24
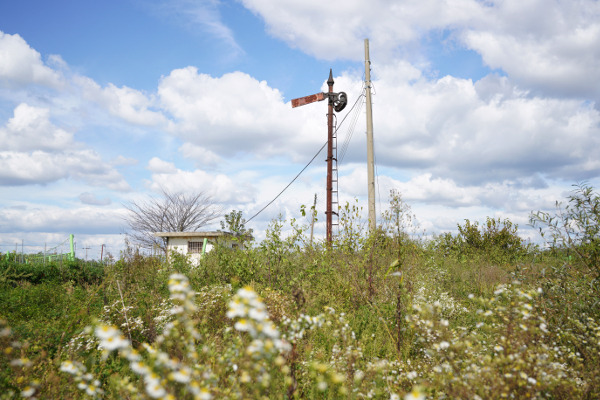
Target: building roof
x: 207, y: 234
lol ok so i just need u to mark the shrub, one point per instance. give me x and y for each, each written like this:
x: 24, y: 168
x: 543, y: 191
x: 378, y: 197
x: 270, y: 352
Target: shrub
x: 575, y: 226
x: 496, y: 240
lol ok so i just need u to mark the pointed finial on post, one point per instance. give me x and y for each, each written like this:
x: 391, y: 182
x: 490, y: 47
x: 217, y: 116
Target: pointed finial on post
x: 330, y: 80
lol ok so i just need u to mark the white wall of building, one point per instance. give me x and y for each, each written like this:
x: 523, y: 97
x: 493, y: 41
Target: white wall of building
x: 180, y: 245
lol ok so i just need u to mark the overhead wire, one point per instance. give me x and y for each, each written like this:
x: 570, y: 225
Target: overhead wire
x: 306, y: 166
x: 351, y: 128
x: 289, y: 184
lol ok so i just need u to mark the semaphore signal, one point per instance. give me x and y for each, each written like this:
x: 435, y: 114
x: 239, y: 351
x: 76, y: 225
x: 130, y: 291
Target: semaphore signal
x: 337, y: 102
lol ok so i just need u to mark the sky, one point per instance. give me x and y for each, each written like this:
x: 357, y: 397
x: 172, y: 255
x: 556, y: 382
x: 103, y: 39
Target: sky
x: 481, y: 108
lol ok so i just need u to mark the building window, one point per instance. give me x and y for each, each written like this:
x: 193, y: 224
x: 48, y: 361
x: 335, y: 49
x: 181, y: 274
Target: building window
x: 195, y: 247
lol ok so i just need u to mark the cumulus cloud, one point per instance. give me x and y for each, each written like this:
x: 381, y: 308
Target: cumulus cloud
x: 553, y: 47
x: 199, y: 155
x: 456, y: 135
x: 38, y: 152
x: 230, y: 114
x: 22, y: 65
x: 91, y: 199
x: 122, y: 160
x: 158, y: 166
x: 30, y: 129
x: 220, y: 187
x: 456, y: 129
x: 129, y: 104
x: 46, y: 218
x: 335, y: 29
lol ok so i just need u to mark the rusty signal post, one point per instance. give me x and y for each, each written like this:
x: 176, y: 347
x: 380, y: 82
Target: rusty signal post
x: 337, y: 102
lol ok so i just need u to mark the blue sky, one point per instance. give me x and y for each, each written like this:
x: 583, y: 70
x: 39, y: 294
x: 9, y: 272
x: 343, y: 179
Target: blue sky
x: 480, y: 108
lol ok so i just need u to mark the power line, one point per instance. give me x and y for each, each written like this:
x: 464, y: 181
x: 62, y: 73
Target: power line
x: 303, y: 169
x: 352, y: 126
x: 289, y: 184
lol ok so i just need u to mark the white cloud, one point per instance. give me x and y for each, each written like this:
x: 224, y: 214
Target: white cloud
x: 488, y: 145
x: 122, y: 160
x: 30, y: 128
x: 553, y: 47
x: 203, y: 16
x: 200, y: 155
x: 335, y: 29
x: 38, y: 152
x: 447, y: 127
x: 91, y: 199
x: 129, y: 104
x: 222, y: 188
x: 158, y: 166
x: 22, y: 65
x: 45, y: 218
x: 233, y: 113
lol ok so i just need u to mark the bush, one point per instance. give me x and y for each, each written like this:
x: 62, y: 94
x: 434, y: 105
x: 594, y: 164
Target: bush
x: 497, y: 241
x: 574, y: 227
x: 78, y: 271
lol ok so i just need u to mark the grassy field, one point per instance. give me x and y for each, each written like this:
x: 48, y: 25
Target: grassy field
x: 477, y: 315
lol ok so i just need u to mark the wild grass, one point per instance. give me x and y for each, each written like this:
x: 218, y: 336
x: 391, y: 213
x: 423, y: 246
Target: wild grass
x: 384, y: 316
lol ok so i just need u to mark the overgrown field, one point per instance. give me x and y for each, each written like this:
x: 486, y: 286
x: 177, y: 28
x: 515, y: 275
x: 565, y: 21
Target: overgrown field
x: 478, y: 315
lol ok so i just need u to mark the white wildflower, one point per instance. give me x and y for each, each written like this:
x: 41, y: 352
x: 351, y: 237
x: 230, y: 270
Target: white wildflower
x: 415, y: 394
x: 28, y: 391
x: 155, y: 390
x: 184, y: 375
x: 106, y: 331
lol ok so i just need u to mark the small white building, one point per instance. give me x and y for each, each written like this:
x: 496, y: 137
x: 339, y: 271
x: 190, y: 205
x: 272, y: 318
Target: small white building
x: 196, y: 244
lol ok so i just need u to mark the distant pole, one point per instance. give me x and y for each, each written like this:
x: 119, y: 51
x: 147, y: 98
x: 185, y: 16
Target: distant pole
x: 329, y: 212
x: 312, y: 220
x: 370, y: 152
x: 72, y: 246
x: 102, y: 254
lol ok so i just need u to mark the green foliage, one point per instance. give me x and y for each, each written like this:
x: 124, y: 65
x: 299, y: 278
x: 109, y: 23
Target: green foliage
x: 82, y: 272
x: 575, y: 226
x: 236, y: 224
x: 382, y: 315
x: 497, y: 241
x: 495, y: 234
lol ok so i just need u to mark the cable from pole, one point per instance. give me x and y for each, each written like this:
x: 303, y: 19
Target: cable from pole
x: 306, y: 166
x: 353, y: 122
x: 289, y: 184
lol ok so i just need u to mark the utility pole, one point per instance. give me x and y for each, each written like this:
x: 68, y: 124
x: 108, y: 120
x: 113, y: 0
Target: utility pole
x: 312, y: 219
x: 370, y: 152
x: 337, y: 102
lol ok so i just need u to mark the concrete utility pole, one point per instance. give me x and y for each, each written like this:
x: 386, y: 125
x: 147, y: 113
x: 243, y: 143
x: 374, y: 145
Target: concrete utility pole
x: 370, y: 152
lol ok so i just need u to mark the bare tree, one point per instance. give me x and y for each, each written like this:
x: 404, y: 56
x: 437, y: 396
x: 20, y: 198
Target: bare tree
x: 172, y: 212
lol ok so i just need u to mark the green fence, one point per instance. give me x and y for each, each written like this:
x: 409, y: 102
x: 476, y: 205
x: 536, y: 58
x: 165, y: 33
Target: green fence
x: 52, y: 255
